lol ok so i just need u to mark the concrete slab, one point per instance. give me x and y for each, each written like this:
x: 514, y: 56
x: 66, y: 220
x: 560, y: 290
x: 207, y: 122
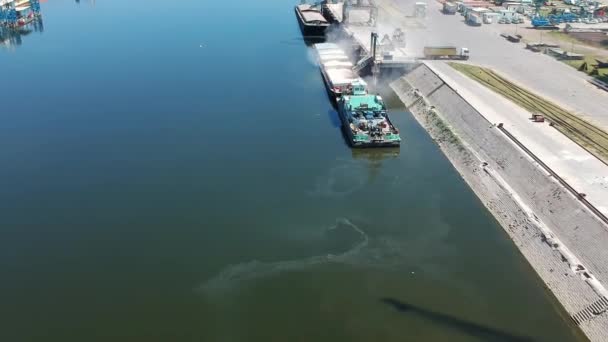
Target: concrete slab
x: 575, y: 165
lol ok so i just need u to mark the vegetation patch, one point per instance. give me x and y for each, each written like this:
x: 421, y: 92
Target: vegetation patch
x: 445, y: 134
x: 582, y: 38
x: 587, y: 66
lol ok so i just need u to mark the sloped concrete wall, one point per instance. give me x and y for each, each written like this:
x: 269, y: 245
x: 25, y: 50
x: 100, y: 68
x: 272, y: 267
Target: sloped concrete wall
x: 521, y: 195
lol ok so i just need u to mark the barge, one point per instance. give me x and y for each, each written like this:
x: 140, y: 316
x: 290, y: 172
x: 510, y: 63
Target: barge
x: 364, y: 117
x: 312, y: 22
x: 336, y: 69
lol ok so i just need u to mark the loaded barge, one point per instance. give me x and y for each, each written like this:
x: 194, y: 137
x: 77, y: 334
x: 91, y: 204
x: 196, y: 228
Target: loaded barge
x: 365, y: 119
x: 312, y: 22
x: 336, y: 69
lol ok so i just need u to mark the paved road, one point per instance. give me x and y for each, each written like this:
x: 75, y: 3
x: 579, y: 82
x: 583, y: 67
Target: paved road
x: 540, y: 73
x: 580, y: 169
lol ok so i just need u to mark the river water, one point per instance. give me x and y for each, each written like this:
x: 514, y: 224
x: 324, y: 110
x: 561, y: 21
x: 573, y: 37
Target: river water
x: 174, y: 171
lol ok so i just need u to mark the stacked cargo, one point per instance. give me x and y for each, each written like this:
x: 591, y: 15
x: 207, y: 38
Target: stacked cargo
x: 336, y: 68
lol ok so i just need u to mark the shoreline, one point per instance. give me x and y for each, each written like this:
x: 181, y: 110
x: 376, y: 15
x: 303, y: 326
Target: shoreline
x: 423, y: 92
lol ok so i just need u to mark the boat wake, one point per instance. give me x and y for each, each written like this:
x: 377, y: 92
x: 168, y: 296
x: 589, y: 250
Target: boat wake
x: 247, y: 271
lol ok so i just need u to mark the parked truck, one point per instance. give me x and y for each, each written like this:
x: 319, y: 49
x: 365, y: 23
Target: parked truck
x: 420, y: 9
x: 449, y: 8
x: 489, y: 17
x: 474, y: 18
x: 446, y: 52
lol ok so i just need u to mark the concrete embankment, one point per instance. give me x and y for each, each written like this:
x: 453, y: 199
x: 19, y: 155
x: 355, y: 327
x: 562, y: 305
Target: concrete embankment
x: 561, y: 238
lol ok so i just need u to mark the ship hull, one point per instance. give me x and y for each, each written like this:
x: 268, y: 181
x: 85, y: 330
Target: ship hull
x: 311, y: 31
x: 350, y: 138
x: 333, y: 96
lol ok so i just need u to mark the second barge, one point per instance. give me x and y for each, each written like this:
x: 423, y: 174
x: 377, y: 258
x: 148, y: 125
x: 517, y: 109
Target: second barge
x: 336, y: 68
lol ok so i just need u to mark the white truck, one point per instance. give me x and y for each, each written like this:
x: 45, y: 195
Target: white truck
x: 489, y: 17
x: 420, y: 9
x: 446, y: 52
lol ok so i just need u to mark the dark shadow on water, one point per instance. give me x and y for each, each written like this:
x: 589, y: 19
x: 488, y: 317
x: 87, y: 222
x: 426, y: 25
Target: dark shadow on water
x: 299, y: 40
x: 376, y: 155
x: 482, y: 332
x: 310, y: 41
x: 375, y: 158
x: 334, y: 118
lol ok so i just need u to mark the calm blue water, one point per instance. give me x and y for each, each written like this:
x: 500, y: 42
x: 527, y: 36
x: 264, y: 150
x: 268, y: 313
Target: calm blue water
x: 174, y: 171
